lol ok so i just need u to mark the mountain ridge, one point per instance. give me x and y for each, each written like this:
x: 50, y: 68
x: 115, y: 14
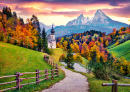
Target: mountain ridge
x: 100, y: 22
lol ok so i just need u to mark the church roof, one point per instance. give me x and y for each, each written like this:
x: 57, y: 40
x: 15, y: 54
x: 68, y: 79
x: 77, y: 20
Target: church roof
x: 52, y: 30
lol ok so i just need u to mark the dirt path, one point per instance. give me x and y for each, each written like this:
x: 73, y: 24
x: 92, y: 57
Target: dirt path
x: 73, y: 82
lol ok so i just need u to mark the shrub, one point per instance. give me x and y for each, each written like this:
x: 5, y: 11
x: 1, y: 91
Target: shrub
x: 128, y: 75
x: 99, y: 71
x: 78, y: 58
x: 47, y: 57
x: 15, y: 42
x: 8, y: 39
x: 21, y: 44
x: 2, y: 37
x: 115, y: 76
x: 62, y: 57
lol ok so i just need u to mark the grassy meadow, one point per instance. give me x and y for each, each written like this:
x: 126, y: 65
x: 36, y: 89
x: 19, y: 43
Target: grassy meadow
x: 18, y: 59
x: 122, y: 50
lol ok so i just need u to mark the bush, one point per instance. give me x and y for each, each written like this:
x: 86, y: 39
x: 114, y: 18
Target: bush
x: 15, y: 42
x: 78, y: 58
x: 115, y: 76
x: 8, y: 39
x: 1, y: 37
x: 99, y: 71
x: 21, y: 44
x: 62, y: 57
x: 128, y: 75
x: 47, y: 57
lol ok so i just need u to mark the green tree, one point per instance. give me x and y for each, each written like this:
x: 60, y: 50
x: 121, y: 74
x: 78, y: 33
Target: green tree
x: 39, y: 44
x: 44, y: 42
x: 69, y: 59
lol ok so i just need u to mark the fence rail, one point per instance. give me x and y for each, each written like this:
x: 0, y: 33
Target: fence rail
x: 114, y: 85
x: 18, y: 80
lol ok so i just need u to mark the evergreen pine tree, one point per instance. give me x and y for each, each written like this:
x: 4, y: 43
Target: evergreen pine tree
x: 39, y: 43
x: 44, y: 42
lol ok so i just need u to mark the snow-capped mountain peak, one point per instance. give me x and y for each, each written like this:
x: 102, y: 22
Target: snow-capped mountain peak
x: 99, y: 15
x: 99, y: 19
x: 80, y: 17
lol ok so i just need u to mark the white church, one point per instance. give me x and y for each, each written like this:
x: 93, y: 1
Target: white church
x: 51, y: 39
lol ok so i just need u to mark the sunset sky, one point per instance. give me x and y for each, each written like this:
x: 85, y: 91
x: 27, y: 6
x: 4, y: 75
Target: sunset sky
x: 60, y: 12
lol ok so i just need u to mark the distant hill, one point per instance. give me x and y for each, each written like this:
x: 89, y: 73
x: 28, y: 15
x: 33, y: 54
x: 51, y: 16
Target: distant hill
x: 122, y: 50
x: 100, y: 22
x: 66, y: 30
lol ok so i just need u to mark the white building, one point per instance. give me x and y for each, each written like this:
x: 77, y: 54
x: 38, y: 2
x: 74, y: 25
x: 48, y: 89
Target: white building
x: 51, y: 39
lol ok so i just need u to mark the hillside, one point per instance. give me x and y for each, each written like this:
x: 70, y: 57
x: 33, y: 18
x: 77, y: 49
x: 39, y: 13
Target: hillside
x: 122, y: 50
x: 17, y: 59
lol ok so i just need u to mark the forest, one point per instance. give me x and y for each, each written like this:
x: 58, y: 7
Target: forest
x: 13, y: 30
x: 93, y: 45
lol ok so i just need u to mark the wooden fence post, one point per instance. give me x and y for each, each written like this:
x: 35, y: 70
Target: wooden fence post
x: 46, y: 74
x: 49, y: 62
x: 57, y: 70
x: 53, y: 64
x: 44, y: 57
x: 115, y: 85
x: 18, y: 80
x: 52, y: 73
x: 37, y: 75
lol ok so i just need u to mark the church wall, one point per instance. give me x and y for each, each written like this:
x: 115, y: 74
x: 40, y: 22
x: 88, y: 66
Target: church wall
x: 52, y: 45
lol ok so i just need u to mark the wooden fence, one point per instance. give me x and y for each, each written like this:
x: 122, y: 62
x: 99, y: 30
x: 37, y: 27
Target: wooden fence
x: 114, y: 85
x: 49, y: 61
x: 46, y: 73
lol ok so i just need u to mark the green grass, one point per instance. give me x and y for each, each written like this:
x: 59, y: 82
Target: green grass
x: 85, y: 61
x: 18, y: 59
x: 96, y: 84
x: 56, y: 53
x: 112, y: 46
x: 122, y: 50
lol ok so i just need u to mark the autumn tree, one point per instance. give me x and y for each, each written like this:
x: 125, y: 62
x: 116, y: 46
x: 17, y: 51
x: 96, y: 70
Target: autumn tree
x: 65, y: 43
x: 75, y: 48
x: 78, y: 58
x: 85, y: 50
x: 35, y: 22
x: 106, y: 43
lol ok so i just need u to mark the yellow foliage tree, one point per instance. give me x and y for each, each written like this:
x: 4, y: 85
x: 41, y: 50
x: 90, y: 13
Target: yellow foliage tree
x: 117, y: 43
x: 78, y: 58
x: 106, y: 43
x: 65, y: 43
x: 75, y: 48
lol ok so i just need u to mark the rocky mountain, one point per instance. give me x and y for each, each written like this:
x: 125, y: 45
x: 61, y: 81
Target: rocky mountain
x: 99, y: 19
x: 81, y: 20
x: 47, y: 27
x: 100, y: 22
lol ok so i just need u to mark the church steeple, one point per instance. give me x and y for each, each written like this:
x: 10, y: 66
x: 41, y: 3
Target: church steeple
x: 52, y: 30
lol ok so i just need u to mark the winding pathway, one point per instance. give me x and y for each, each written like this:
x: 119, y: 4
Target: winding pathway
x: 73, y: 82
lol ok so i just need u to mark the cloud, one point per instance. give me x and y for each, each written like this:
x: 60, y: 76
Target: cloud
x: 119, y: 12
x: 114, y: 3
x: 69, y: 14
x: 111, y: 2
x: 30, y: 10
